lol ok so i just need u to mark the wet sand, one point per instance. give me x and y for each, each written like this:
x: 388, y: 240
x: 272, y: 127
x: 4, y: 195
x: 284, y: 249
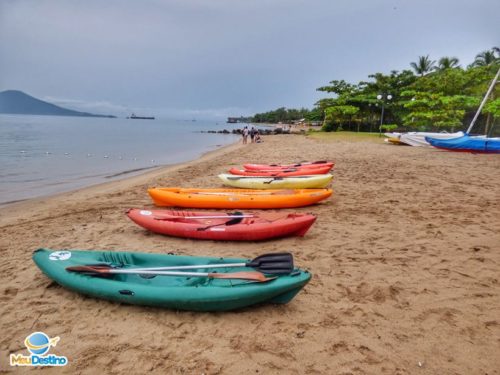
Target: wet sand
x: 405, y: 260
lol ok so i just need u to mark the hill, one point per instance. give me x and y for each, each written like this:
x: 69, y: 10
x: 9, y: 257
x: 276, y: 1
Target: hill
x: 18, y: 102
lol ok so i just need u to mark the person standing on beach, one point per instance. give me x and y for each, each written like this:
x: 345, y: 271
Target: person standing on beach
x: 252, y: 134
x: 244, y: 134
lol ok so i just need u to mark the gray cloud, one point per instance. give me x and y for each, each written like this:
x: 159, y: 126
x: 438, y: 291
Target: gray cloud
x: 222, y: 57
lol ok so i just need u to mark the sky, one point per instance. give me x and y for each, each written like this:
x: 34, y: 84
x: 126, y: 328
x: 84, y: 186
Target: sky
x: 209, y: 59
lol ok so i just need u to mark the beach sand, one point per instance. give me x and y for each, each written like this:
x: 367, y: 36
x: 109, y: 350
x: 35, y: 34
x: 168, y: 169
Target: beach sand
x: 405, y: 260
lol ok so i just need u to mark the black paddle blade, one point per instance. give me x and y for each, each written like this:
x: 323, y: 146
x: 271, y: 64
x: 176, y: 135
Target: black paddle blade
x: 233, y: 221
x: 274, y: 264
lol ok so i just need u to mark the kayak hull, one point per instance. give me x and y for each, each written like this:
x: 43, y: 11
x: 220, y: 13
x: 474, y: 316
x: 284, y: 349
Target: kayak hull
x: 237, y: 198
x: 173, y: 292
x: 281, y: 172
x: 481, y: 145
x: 314, y: 164
x: 299, y: 182
x: 259, y: 227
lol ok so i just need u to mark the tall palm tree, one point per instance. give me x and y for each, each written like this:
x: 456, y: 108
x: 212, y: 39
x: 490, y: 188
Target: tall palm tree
x: 487, y: 57
x: 447, y: 63
x: 423, y: 66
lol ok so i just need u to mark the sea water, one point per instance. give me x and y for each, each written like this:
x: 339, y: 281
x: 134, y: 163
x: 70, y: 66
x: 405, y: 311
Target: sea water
x: 43, y: 155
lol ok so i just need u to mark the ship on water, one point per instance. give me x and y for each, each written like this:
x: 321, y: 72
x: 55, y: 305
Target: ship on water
x: 134, y: 117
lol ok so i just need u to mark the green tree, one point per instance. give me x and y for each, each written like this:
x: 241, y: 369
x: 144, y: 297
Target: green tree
x: 434, y: 111
x: 445, y: 63
x: 338, y: 87
x: 487, y: 57
x: 423, y: 66
x: 338, y: 115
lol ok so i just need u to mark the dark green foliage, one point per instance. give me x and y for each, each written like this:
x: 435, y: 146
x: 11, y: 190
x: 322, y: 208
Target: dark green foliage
x: 281, y: 115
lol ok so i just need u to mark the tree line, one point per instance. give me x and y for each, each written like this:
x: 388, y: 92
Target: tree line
x: 432, y: 96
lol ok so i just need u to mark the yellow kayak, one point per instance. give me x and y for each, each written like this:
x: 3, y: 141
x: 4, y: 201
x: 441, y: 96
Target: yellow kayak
x: 297, y: 182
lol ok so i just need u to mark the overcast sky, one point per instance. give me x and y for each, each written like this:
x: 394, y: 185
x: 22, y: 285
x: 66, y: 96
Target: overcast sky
x: 214, y: 58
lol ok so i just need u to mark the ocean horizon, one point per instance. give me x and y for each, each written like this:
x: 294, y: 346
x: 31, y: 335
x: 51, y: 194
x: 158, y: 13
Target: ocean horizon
x: 45, y: 155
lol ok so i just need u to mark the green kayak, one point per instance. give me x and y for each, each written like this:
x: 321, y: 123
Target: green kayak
x: 175, y: 292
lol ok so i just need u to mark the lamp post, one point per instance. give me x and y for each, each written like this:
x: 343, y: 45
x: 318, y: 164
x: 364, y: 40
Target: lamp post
x: 383, y: 98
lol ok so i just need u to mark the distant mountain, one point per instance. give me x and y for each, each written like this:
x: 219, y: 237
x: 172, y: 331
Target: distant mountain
x: 17, y: 102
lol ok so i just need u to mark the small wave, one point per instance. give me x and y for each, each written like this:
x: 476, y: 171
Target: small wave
x: 131, y: 171
x: 13, y: 201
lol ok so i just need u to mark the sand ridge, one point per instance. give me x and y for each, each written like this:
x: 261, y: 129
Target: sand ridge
x: 405, y: 262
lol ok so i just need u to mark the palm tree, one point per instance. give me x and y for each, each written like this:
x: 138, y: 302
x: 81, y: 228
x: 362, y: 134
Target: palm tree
x: 487, y: 57
x: 423, y: 66
x: 447, y: 63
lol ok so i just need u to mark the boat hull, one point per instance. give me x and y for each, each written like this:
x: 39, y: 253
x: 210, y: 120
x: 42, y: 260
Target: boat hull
x: 466, y: 143
x: 173, y: 292
x: 281, y: 172
x: 299, y: 182
x: 258, y: 227
x: 313, y: 165
x: 237, y: 198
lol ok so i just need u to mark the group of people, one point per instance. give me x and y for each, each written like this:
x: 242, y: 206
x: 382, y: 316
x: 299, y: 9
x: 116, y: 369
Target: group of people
x: 254, y: 135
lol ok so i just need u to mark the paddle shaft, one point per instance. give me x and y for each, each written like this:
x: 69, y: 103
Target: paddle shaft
x: 169, y: 273
x: 272, y: 263
x: 275, y: 177
x: 202, y: 217
x: 191, y: 267
x: 96, y: 270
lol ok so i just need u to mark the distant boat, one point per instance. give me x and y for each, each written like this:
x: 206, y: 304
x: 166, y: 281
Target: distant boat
x: 134, y: 117
x: 418, y: 139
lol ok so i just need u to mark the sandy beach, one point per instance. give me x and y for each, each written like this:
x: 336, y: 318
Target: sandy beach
x: 405, y: 260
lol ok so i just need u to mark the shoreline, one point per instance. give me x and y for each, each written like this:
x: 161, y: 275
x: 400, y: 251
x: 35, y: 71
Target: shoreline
x: 11, y: 208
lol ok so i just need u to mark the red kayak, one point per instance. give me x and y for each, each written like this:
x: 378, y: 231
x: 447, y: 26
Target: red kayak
x: 281, y: 172
x: 314, y: 164
x: 235, y: 226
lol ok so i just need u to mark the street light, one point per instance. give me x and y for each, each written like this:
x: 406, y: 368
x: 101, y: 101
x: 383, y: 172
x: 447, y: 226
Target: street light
x: 384, y: 98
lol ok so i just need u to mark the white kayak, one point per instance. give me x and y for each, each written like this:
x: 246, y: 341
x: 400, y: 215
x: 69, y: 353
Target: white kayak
x: 297, y: 182
x: 417, y: 139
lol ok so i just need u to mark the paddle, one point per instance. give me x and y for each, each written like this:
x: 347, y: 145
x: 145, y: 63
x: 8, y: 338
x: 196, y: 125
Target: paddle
x: 228, y: 216
x: 104, y: 270
x: 272, y: 263
x: 274, y: 177
x: 302, y: 163
x: 237, y: 219
x: 257, y: 171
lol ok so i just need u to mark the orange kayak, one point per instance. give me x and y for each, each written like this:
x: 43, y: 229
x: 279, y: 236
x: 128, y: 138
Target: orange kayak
x: 237, y: 198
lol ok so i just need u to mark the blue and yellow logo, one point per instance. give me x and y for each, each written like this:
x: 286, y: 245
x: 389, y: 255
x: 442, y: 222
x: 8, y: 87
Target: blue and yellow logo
x: 39, y: 344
